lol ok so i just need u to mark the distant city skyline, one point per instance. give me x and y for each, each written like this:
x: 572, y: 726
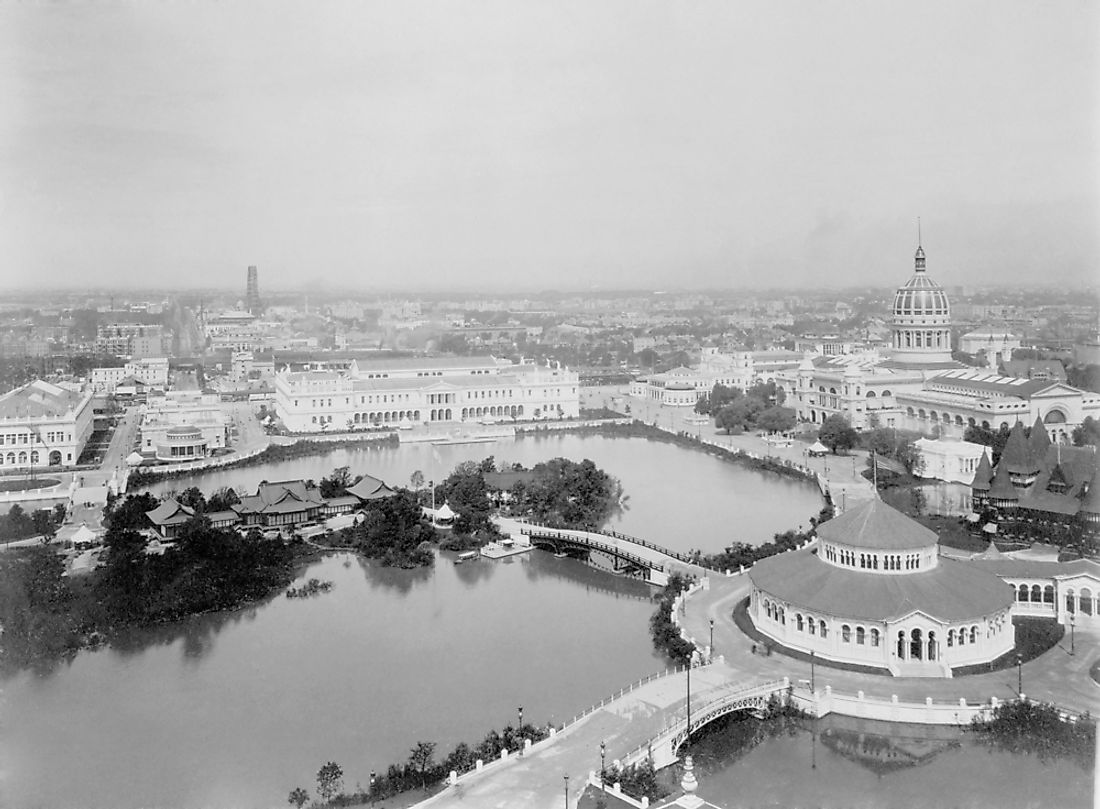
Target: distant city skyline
x: 572, y: 146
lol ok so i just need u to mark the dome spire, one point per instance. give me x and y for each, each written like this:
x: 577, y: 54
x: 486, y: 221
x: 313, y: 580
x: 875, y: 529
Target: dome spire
x: 920, y: 250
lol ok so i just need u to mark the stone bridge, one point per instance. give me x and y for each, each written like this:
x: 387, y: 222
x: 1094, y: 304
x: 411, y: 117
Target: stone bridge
x: 620, y: 553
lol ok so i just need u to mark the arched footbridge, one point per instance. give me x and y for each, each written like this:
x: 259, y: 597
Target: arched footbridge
x: 621, y: 553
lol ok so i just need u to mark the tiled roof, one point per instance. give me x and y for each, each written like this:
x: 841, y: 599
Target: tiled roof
x: 1038, y: 442
x: 1015, y: 456
x: 370, y: 489
x: 874, y: 524
x: 170, y: 512
x: 951, y: 591
x: 280, y: 497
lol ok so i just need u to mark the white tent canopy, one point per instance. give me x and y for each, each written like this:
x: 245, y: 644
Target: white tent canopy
x: 444, y: 513
x: 817, y: 448
x: 134, y: 458
x: 84, y: 536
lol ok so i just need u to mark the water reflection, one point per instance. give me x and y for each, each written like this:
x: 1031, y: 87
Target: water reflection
x: 844, y: 762
x: 397, y: 579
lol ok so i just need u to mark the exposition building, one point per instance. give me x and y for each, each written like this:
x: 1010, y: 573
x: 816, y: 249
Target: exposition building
x: 874, y: 591
x: 919, y: 387
x: 43, y: 425
x: 404, y: 392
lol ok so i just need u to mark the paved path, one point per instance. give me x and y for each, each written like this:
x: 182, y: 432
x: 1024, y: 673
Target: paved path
x: 536, y: 781
x: 1055, y: 676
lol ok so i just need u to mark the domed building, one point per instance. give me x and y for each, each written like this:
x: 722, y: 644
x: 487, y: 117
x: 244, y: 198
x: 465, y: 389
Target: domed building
x: 916, y: 385
x: 922, y: 320
x: 875, y: 591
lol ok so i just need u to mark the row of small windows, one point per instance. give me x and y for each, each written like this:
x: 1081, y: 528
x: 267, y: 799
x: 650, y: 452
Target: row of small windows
x: 872, y: 561
x: 23, y: 458
x: 12, y: 439
x: 920, y: 339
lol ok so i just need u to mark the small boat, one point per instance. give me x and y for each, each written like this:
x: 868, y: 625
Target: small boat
x: 466, y: 556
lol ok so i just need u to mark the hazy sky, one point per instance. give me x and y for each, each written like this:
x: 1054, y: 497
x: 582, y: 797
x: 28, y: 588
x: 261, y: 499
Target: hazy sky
x: 548, y: 144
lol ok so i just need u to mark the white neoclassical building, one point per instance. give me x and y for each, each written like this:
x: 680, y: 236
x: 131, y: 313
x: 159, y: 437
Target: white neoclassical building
x: 43, y: 425
x: 392, y: 393
x: 919, y: 387
x: 875, y: 591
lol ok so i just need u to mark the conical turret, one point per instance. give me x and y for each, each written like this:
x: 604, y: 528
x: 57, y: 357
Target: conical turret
x: 1017, y: 459
x: 983, y: 475
x: 1091, y: 503
x: 1039, y: 442
x: 1001, y: 491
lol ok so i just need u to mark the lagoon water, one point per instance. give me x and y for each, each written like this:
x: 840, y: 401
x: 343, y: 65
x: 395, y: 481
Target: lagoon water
x: 235, y: 709
x: 678, y: 498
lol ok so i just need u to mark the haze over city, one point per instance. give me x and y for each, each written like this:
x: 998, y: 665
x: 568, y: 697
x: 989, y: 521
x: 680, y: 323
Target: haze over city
x: 520, y: 145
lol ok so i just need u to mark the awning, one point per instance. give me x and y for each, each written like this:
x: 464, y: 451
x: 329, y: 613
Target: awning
x: 444, y: 513
x: 817, y: 448
x: 990, y: 528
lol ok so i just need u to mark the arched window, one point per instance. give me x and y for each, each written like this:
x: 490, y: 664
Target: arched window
x: 822, y: 627
x: 812, y: 626
x: 870, y: 394
x: 962, y: 637
x: 874, y: 638
x: 861, y: 636
x: 1086, y: 601
x: 845, y: 634
x: 951, y: 637
x: 1071, y: 596
x: 1035, y: 591
x: 798, y: 622
x: 1021, y: 594
x: 973, y: 634
x: 1048, y: 594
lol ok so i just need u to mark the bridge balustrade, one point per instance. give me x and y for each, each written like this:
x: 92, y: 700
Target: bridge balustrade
x: 681, y: 557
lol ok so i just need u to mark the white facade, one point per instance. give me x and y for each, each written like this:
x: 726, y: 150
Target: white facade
x: 423, y: 391
x: 683, y: 387
x: 201, y: 412
x: 153, y: 371
x: 950, y: 461
x: 43, y: 425
x: 997, y: 345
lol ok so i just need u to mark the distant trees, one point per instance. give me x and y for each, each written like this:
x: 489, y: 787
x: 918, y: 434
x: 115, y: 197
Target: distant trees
x: 837, y: 434
x: 422, y: 759
x: 337, y: 484
x: 776, y: 419
x: 298, y: 797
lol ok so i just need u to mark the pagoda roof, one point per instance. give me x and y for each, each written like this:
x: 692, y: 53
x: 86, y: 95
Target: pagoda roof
x: 170, y: 512
x: 875, y: 524
x: 1001, y: 488
x: 983, y: 475
x: 281, y: 497
x: 951, y: 591
x: 1016, y: 456
x: 369, y: 488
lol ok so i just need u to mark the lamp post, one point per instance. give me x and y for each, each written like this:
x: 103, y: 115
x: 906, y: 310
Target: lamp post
x: 1020, y: 674
x: 603, y: 765
x: 1072, y: 624
x: 519, y: 730
x: 687, y: 739
x: 712, y: 638
x: 520, y: 726
x: 372, y: 777
x: 812, y: 689
x: 566, y: 779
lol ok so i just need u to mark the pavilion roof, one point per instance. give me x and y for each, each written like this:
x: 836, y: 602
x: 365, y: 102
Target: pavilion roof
x: 1038, y: 442
x: 170, y: 512
x: 952, y: 591
x: 370, y: 488
x: 875, y: 524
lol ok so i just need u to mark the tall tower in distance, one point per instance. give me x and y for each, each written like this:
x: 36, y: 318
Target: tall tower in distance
x: 252, y: 292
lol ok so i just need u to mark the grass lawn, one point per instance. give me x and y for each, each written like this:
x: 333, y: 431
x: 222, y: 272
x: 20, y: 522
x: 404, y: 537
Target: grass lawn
x: 25, y: 484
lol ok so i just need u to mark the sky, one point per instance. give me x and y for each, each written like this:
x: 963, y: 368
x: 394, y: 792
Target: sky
x: 517, y: 145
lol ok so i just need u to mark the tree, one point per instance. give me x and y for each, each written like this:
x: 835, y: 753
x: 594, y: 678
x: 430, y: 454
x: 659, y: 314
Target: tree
x: 193, y: 498
x: 422, y: 759
x: 43, y: 525
x: 416, y: 480
x: 836, y: 433
x: 337, y: 483
x: 994, y: 440
x: 776, y: 419
x: 1088, y: 434
x: 298, y: 797
x: 330, y: 781
x: 222, y: 500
